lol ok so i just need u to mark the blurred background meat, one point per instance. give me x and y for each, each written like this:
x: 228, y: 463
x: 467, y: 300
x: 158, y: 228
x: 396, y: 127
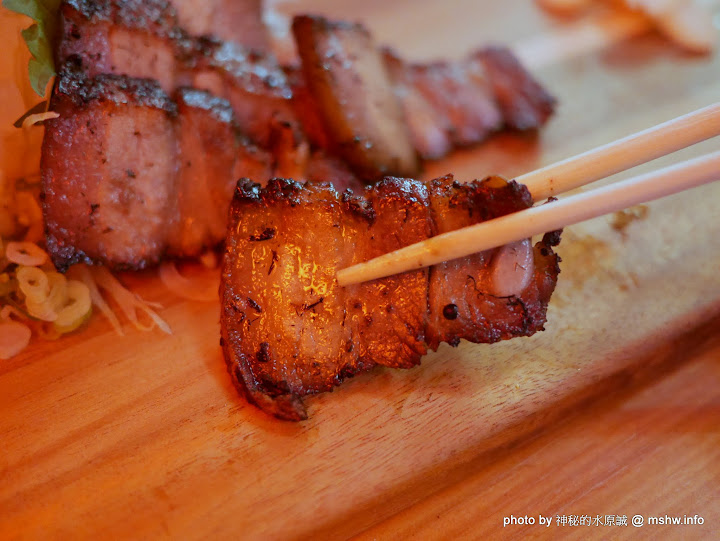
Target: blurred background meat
x: 348, y: 113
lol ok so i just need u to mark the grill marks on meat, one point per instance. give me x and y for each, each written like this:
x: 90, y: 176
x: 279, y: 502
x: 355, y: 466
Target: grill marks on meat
x: 130, y: 176
x: 288, y: 330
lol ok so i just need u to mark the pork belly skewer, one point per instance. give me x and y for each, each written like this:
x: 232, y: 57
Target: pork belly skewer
x: 566, y: 175
x: 289, y: 329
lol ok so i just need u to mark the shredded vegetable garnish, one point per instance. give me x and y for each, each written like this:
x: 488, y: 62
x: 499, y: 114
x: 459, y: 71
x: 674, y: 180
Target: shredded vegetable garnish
x: 688, y: 23
x: 37, y: 118
x: 25, y: 253
x: 130, y: 304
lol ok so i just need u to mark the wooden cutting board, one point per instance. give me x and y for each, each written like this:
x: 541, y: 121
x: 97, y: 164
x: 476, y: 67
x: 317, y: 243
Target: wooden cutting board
x: 143, y: 436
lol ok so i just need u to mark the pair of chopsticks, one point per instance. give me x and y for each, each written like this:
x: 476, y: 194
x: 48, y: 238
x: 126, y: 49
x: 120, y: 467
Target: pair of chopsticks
x: 565, y: 175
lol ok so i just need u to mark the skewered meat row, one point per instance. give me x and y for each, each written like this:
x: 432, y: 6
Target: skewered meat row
x: 380, y: 113
x: 281, y: 121
x: 289, y: 330
x: 371, y: 108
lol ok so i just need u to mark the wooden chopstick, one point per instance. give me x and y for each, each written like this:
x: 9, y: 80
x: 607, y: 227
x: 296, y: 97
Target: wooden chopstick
x: 537, y: 220
x: 565, y: 175
x: 624, y: 153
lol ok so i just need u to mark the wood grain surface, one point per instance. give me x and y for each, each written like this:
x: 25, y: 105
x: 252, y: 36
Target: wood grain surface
x: 614, y: 409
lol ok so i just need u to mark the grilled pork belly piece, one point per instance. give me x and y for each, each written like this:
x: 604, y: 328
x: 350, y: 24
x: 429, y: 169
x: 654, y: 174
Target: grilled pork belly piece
x: 108, y: 166
x: 289, y: 330
x: 211, y: 156
x: 113, y: 33
x: 130, y: 175
x: 379, y: 113
x: 350, y: 85
x: 461, y: 103
x: 130, y: 37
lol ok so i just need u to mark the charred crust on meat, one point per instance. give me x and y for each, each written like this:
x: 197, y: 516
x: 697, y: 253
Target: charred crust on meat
x: 551, y: 238
x: 74, y: 85
x: 246, y: 189
x: 157, y: 15
x: 267, y: 234
x: 263, y: 354
x: 275, y: 259
x: 254, y: 305
x: 450, y: 311
x: 219, y: 108
x: 273, y: 388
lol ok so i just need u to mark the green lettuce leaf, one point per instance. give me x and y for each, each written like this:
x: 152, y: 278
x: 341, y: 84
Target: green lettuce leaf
x: 39, y: 38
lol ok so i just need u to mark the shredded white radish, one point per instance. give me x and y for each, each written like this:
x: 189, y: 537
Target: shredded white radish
x: 129, y: 302
x: 83, y: 273
x: 31, y: 120
x: 196, y: 290
x: 25, y: 253
x: 14, y: 337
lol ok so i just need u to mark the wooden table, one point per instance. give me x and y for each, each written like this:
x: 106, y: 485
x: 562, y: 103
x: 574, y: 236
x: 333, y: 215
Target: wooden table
x: 613, y: 410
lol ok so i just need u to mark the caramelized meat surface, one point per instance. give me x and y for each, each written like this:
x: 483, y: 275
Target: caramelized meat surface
x: 460, y: 103
x: 288, y: 329
x: 108, y: 166
x: 350, y: 85
x: 130, y: 175
x: 143, y: 39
